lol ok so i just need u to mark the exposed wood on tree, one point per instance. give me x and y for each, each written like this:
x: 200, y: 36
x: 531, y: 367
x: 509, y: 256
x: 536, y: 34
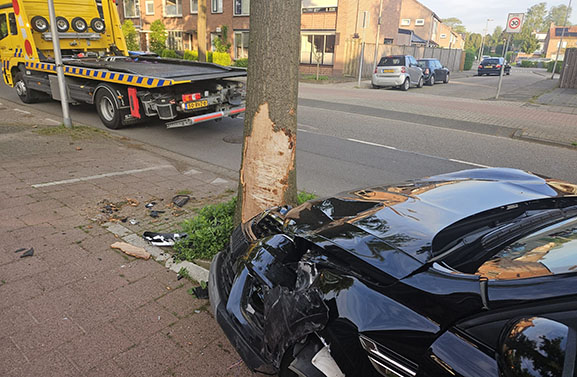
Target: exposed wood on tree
x: 201, y: 30
x: 267, y: 175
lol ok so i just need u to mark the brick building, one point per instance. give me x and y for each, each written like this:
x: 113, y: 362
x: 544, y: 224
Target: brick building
x: 427, y: 25
x: 326, y: 24
x: 553, y: 40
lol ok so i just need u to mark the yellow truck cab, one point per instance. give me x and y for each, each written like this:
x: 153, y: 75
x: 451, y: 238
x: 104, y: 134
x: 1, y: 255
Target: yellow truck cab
x: 125, y: 87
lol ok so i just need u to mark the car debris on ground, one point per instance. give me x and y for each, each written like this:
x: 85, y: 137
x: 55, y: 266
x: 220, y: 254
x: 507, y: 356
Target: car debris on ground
x: 135, y: 251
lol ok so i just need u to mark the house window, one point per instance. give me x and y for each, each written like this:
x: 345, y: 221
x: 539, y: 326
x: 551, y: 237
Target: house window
x: 241, y: 7
x: 564, y: 45
x: 131, y: 9
x: 405, y: 22
x: 216, y: 6
x: 317, y: 49
x: 173, y: 8
x: 174, y: 40
x: 241, y: 44
x: 443, y: 36
x: 419, y: 22
x: 149, y: 7
x: 194, y: 6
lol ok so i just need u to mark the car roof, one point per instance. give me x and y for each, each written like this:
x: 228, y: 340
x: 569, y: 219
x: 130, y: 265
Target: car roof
x: 408, y: 216
x: 430, y: 59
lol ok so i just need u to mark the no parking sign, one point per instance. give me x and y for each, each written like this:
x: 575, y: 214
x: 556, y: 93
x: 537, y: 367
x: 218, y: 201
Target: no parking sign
x: 515, y: 22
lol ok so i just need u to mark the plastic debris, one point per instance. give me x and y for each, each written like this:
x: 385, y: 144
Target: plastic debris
x: 164, y: 239
x: 155, y: 214
x: 28, y: 253
x: 20, y: 250
x: 150, y: 205
x: 133, y: 221
x: 180, y: 200
x: 132, y: 250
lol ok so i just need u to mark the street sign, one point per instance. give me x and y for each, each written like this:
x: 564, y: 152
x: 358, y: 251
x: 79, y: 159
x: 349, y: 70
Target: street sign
x: 515, y: 22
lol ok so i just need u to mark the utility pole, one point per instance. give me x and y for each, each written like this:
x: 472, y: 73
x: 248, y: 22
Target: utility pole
x: 362, y: 57
x: 378, y: 34
x: 483, y: 38
x: 201, y: 30
x: 561, y: 40
x: 59, y: 70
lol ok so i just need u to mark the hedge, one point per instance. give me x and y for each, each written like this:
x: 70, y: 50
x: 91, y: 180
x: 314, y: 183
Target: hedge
x: 469, y: 59
x: 528, y: 64
x: 241, y: 62
x: 222, y: 58
x: 557, y: 69
x: 190, y: 55
x: 167, y: 53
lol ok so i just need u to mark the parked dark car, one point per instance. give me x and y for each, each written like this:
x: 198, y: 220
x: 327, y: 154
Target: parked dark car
x: 470, y: 274
x: 492, y: 66
x: 434, y: 71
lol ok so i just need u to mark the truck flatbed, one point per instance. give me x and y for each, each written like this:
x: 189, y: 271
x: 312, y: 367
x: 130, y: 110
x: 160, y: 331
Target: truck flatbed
x: 144, y: 72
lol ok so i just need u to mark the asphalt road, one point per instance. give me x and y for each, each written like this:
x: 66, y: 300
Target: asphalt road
x: 340, y: 150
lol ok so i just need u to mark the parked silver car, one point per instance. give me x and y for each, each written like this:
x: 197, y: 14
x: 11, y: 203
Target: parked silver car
x: 399, y: 71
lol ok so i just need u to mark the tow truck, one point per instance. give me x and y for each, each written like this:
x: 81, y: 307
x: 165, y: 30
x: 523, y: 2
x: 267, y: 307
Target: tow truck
x: 125, y: 88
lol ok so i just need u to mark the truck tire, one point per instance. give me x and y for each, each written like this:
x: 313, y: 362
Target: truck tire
x: 26, y: 95
x: 107, y: 108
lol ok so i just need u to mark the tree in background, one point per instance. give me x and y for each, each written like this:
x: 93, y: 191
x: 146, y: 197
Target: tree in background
x: 535, y: 18
x: 268, y: 170
x: 456, y: 24
x: 157, y: 37
x: 556, y: 15
x: 130, y: 35
x: 473, y: 42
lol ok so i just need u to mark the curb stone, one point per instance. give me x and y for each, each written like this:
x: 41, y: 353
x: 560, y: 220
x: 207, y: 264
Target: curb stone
x: 195, y: 271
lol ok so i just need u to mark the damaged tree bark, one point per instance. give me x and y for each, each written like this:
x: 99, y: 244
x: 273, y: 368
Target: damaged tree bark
x: 267, y: 174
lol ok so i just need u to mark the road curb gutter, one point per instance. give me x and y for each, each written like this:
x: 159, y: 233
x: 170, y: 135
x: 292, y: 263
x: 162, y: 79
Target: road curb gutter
x: 519, y: 135
x: 195, y: 271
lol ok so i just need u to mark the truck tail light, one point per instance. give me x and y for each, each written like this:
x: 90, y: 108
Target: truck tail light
x: 427, y: 71
x: 375, y: 70
x: 480, y: 67
x: 403, y: 69
x: 498, y: 65
x: 191, y: 97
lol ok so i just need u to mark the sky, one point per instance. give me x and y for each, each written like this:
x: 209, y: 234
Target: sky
x: 474, y: 14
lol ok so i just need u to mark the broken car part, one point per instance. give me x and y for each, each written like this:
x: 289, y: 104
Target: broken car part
x: 180, y: 200
x: 164, y: 239
x: 156, y: 213
x: 421, y: 279
x: 28, y: 253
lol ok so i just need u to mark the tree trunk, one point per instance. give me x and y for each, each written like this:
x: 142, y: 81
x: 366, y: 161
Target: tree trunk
x: 201, y: 29
x: 268, y: 172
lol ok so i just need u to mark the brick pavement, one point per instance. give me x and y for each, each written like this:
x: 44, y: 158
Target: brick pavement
x: 532, y: 123
x: 77, y: 307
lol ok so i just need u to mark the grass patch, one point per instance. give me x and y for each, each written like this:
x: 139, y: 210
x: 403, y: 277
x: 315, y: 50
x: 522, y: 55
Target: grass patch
x: 76, y: 132
x: 574, y: 144
x: 210, y: 230
x: 314, y: 77
x: 184, y: 192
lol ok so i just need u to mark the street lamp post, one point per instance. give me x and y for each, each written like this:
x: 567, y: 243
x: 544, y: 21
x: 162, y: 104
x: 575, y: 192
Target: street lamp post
x: 58, y: 61
x: 561, y: 40
x: 483, y: 38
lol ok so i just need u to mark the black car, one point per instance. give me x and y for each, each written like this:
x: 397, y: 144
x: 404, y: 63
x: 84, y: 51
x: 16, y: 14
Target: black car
x: 470, y: 274
x: 492, y: 66
x: 434, y: 71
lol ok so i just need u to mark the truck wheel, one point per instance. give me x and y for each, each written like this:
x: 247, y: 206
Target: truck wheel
x: 107, y: 109
x: 26, y: 95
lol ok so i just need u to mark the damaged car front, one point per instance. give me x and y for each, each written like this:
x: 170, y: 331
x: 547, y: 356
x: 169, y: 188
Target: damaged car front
x: 352, y: 285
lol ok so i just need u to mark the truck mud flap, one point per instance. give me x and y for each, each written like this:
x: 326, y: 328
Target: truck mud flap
x: 290, y: 316
x: 205, y: 117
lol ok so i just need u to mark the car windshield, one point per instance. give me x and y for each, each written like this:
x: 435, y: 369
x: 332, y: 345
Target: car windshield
x: 390, y: 61
x: 424, y: 63
x: 550, y: 251
x: 490, y: 61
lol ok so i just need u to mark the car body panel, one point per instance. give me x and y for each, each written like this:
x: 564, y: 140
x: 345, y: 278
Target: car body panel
x: 392, y: 75
x: 361, y: 267
x: 435, y: 68
x: 489, y: 66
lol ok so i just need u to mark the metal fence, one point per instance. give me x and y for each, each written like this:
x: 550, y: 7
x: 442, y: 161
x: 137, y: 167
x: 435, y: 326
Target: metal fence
x: 569, y: 72
x: 451, y: 58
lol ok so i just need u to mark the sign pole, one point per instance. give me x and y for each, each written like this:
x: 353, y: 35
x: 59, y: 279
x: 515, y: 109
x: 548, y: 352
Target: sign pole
x: 362, y: 57
x: 59, y: 70
x: 503, y: 68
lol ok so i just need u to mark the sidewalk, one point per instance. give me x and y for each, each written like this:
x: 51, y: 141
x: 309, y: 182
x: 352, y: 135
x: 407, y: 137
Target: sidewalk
x: 77, y: 307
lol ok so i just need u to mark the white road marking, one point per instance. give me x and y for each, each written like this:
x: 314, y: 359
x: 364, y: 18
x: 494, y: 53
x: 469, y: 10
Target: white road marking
x: 306, y: 126
x: 105, y: 175
x: 219, y: 181
x: 22, y: 111
x: 417, y: 153
x: 53, y: 121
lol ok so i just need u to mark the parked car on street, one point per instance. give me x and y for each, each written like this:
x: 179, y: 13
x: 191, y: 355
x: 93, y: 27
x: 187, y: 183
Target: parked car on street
x: 399, y: 71
x: 468, y: 274
x: 434, y: 71
x: 492, y: 66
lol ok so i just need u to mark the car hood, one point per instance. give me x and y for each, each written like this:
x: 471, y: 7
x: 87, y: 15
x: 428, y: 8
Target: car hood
x: 393, y: 227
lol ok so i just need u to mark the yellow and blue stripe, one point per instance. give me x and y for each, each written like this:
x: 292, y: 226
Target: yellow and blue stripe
x: 96, y: 74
